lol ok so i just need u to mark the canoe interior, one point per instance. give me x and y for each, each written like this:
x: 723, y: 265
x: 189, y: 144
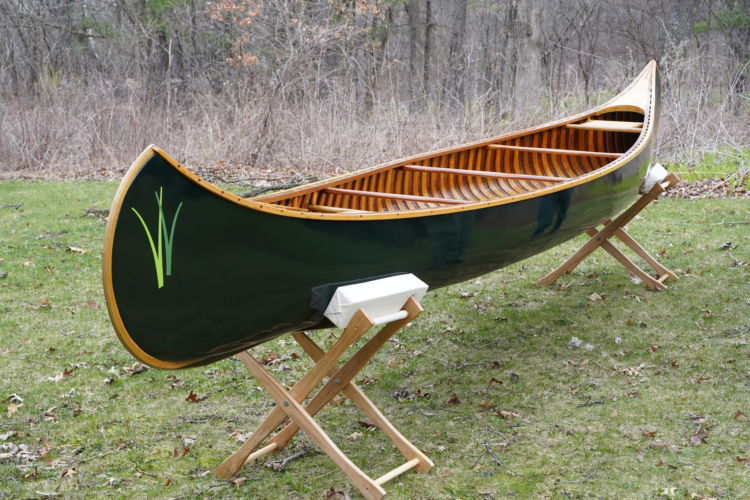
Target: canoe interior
x: 509, y: 167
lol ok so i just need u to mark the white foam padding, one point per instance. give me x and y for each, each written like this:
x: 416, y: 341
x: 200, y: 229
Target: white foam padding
x: 654, y: 175
x: 377, y: 298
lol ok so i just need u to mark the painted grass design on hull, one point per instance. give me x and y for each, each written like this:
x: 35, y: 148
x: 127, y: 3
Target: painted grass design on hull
x: 162, y: 259
x: 253, y: 269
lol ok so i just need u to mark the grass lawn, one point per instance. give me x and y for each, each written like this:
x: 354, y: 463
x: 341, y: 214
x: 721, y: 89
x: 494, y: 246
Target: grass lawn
x: 654, y: 402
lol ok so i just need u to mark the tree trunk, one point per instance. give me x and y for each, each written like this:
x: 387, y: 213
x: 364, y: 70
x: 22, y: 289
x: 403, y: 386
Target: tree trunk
x: 456, y: 81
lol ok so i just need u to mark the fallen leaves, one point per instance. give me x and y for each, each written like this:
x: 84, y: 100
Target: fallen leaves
x: 407, y: 395
x: 17, y: 453
x: 367, y: 424
x: 136, y: 368
x: 7, y: 435
x: 699, y: 380
x: 194, y: 398
x: 69, y: 472
x: 13, y: 408
x: 487, y: 405
x: 334, y: 494
x: 507, y: 414
x: 697, y: 439
x: 633, y: 371
x: 62, y: 375
x: 238, y: 481
x: 453, y: 401
x: 42, y: 305
x: 76, y: 250
x: 354, y: 436
x: 576, y: 343
x: 240, y: 436
x: 14, y: 403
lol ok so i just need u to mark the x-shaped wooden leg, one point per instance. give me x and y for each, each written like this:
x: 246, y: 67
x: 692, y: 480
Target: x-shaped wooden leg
x: 355, y: 394
x: 288, y: 403
x: 359, y: 324
x: 615, y: 228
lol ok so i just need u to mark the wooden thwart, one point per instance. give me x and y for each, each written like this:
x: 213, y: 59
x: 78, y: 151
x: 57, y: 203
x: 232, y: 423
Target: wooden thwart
x: 608, y: 126
x: 484, y: 173
x: 616, y: 228
x: 288, y: 403
x: 395, y: 196
x: 568, y: 152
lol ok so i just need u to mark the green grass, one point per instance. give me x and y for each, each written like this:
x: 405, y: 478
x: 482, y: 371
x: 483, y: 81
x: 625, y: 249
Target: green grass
x: 731, y: 164
x: 658, y: 410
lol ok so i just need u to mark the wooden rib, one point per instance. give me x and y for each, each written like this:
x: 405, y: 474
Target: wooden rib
x: 583, y: 141
x: 474, y: 186
x: 393, y: 196
x: 600, y: 142
x: 515, y: 163
x: 535, y: 161
x: 571, y: 152
x: 400, y: 188
x: 567, y: 140
x: 479, y: 159
x: 469, y: 163
x: 482, y: 173
x: 548, y: 163
x: 608, y: 126
x: 558, y: 161
x: 486, y: 186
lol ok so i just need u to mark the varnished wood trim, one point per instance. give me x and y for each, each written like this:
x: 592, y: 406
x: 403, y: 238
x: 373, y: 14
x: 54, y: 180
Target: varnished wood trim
x: 392, y: 196
x: 570, y: 152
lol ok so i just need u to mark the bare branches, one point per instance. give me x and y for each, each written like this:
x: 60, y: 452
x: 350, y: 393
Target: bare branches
x: 330, y: 86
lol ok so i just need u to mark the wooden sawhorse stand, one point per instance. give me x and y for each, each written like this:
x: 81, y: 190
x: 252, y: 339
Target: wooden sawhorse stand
x: 616, y: 228
x: 288, y: 402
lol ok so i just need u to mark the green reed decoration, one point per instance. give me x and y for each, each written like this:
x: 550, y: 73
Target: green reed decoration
x: 162, y: 250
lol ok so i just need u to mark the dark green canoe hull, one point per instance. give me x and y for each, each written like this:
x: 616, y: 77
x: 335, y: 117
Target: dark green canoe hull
x: 232, y: 277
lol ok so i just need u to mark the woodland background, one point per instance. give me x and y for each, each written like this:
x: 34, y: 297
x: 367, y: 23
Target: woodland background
x: 314, y: 87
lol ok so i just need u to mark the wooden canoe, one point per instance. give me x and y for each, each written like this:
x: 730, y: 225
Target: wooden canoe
x: 193, y: 274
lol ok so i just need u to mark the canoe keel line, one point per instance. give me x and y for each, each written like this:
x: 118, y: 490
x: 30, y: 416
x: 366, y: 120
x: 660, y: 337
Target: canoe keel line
x: 193, y: 274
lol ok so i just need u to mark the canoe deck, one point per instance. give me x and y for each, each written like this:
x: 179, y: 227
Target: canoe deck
x: 511, y: 166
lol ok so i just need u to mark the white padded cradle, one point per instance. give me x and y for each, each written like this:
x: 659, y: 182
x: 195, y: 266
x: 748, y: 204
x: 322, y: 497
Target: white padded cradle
x: 380, y: 299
